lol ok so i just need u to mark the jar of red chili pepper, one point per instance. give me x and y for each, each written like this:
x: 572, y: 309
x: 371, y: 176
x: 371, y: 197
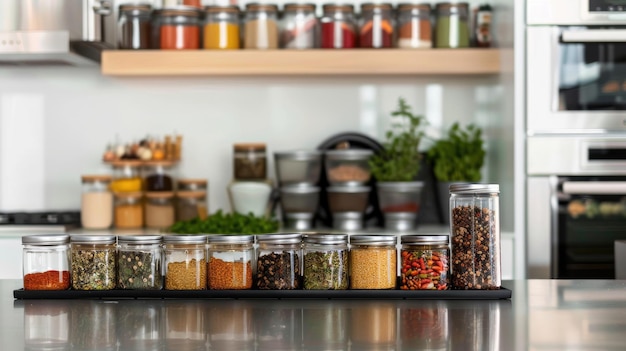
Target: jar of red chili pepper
x: 46, y: 262
x: 179, y: 28
x: 376, y: 30
x: 338, y: 27
x: 424, y: 262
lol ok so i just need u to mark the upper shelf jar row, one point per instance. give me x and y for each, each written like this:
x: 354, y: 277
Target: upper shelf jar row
x: 263, y: 26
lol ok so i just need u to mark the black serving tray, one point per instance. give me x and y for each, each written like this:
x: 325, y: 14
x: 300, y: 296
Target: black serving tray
x: 502, y: 293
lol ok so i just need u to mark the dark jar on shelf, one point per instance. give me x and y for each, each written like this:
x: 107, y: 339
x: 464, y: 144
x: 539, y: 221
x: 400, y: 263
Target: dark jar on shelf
x: 134, y: 26
x: 250, y: 161
x: 424, y: 261
x: 179, y: 28
x: 279, y: 261
x: 338, y: 27
x: 185, y: 262
x: 158, y: 176
x: 414, y: 26
x: 452, y: 30
x: 376, y: 30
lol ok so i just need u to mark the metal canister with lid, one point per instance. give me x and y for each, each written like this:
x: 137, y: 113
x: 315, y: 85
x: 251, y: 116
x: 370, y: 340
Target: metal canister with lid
x: 279, y: 261
x: 93, y: 262
x: 185, y: 262
x: 231, y: 262
x: 373, y: 261
x: 475, y: 236
x: 139, y: 262
x: 46, y: 262
x: 424, y: 262
x: 326, y: 265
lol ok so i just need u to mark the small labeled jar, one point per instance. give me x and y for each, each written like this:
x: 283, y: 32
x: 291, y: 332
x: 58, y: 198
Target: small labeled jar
x: 231, y: 262
x: 139, y: 262
x: 376, y: 29
x: 261, y: 26
x: 93, y: 262
x: 179, y: 28
x: 192, y: 184
x: 185, y: 262
x: 129, y: 210
x: 373, y: 261
x: 338, y: 27
x: 126, y: 177
x: 326, y: 265
x: 134, y: 26
x: 414, y: 26
x: 250, y: 161
x: 424, y: 262
x: 158, y: 176
x: 190, y: 205
x: 279, y: 261
x: 159, y: 209
x: 46, y: 262
x: 300, y: 28
x: 221, y: 27
x: 475, y: 236
x: 452, y: 30
x: 96, y: 205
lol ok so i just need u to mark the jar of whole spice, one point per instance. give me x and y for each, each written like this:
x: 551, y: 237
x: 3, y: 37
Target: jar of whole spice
x: 373, y: 261
x: 300, y: 27
x: 326, y: 263
x: 261, y: 26
x: 159, y: 209
x: 134, y: 26
x: 129, y: 210
x: 231, y: 262
x: 221, y: 27
x: 93, y: 262
x: 376, y: 30
x: 452, y: 30
x: 139, y: 262
x: 338, y: 27
x: 475, y: 236
x: 279, y: 261
x: 424, y: 262
x: 179, y: 28
x: 185, y: 262
x: 250, y: 161
x: 190, y: 205
x: 46, y: 262
x: 414, y: 26
x: 159, y: 176
x: 96, y: 205
x: 126, y: 176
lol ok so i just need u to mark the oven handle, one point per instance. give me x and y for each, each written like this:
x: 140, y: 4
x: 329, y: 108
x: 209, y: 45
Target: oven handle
x: 594, y: 36
x: 594, y: 188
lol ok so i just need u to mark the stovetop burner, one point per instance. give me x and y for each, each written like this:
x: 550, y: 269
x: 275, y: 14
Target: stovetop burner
x: 31, y: 218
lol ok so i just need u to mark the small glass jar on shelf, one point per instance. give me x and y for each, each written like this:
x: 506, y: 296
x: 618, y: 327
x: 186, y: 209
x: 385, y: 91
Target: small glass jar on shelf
x: 326, y: 264
x: 377, y: 26
x: 128, y: 211
x: 189, y: 184
x: 261, y: 26
x: 93, y: 262
x: 158, y: 176
x: 179, y: 28
x: 414, y: 26
x: 139, y: 260
x: 424, y: 261
x: 134, y: 26
x: 185, y: 262
x: 159, y: 209
x: 452, y: 29
x: 221, y: 27
x: 46, y: 262
x: 250, y: 161
x: 96, y: 205
x: 279, y: 261
x: 190, y: 205
x: 300, y: 27
x: 338, y: 27
x: 373, y: 261
x: 126, y: 176
x: 231, y: 262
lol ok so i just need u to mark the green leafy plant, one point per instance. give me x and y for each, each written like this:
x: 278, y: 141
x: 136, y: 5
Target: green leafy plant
x: 459, y: 156
x: 229, y: 223
x: 400, y: 159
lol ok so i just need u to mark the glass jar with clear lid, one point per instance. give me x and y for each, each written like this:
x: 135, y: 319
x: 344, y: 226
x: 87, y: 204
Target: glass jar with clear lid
x: 185, y: 262
x: 159, y: 209
x: 376, y: 29
x: 373, y: 261
x: 221, y: 27
x: 158, y: 176
x: 134, y: 26
x: 424, y: 262
x: 414, y: 26
x: 93, y: 262
x: 96, y: 205
x: 46, y: 262
x: 250, y: 161
x: 192, y: 184
x: 338, y: 27
x: 126, y: 176
x: 261, y: 26
x: 452, y: 29
x: 129, y: 212
x: 475, y: 236
x: 326, y: 265
x: 179, y: 28
x: 279, y: 261
x: 139, y: 260
x: 300, y: 27
x: 190, y: 205
x: 231, y: 262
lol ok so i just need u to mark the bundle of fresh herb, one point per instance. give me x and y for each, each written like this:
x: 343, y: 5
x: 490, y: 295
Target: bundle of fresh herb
x: 229, y: 223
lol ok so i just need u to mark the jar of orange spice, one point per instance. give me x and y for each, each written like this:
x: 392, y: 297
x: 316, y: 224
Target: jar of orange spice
x: 231, y: 263
x: 179, y: 28
x: 128, y: 210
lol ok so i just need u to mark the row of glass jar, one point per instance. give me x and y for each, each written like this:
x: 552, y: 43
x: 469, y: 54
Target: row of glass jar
x: 218, y: 27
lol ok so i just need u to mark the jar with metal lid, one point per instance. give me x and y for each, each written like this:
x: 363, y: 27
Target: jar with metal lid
x: 376, y: 29
x: 475, y: 236
x: 46, y: 262
x: 261, y: 26
x: 452, y: 29
x: 126, y: 176
x: 129, y: 210
x: 326, y: 265
x: 250, y: 161
x: 414, y: 26
x: 300, y: 27
x: 221, y: 27
x: 96, y: 205
x: 139, y: 262
x: 158, y: 176
x: 93, y: 262
x: 179, y: 28
x: 279, y: 261
x: 185, y: 262
x: 134, y: 26
x: 231, y: 262
x: 159, y: 209
x: 424, y: 262
x: 373, y: 261
x: 338, y: 27
x: 190, y: 205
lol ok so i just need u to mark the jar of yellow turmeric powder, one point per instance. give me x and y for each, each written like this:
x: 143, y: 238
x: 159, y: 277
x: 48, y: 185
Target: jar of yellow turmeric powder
x: 221, y: 27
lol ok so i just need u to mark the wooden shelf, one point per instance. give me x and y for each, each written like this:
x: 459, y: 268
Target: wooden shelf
x: 301, y: 62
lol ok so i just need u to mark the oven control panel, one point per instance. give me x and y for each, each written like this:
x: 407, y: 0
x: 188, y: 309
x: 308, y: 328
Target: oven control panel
x: 607, y: 5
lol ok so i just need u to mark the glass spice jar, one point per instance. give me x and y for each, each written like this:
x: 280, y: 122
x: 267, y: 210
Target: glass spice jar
x: 96, y: 204
x: 134, y: 26
x: 155, y: 29
x: 414, y: 26
x: 139, y: 262
x: 424, y: 262
x: 190, y: 205
x: 279, y: 261
x: 325, y: 261
x: 261, y: 26
x: 300, y: 27
x: 250, y: 161
x: 338, y: 27
x: 231, y: 262
x: 128, y: 210
x: 126, y: 176
x: 46, y: 262
x: 376, y: 29
x: 475, y: 238
x: 452, y: 29
x: 373, y: 261
x: 159, y: 209
x: 179, y: 28
x: 158, y: 176
x: 221, y: 27
x: 185, y: 262
x: 93, y: 262
x: 192, y: 184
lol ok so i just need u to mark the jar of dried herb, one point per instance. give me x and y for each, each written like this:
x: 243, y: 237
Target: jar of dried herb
x: 326, y: 264
x: 93, y: 262
x: 279, y: 261
x: 46, y: 261
x: 139, y: 262
x: 185, y: 262
x: 250, y: 161
x: 231, y: 262
x: 373, y: 261
x: 424, y: 262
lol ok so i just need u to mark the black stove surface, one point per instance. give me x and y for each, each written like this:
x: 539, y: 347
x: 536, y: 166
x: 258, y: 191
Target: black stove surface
x: 33, y: 218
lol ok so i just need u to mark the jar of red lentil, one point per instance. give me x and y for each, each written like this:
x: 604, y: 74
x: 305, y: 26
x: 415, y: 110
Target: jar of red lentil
x: 185, y: 262
x: 424, y: 262
x: 231, y: 262
x: 338, y: 27
x: 179, y: 28
x: 279, y: 261
x: 326, y: 265
x: 46, y: 262
x: 373, y: 261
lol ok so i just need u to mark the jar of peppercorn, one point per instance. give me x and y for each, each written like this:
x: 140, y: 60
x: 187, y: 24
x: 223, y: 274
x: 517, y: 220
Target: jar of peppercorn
x: 326, y: 264
x: 279, y: 261
x: 373, y: 261
x: 139, y: 262
x: 46, y: 262
x: 231, y: 264
x: 424, y: 262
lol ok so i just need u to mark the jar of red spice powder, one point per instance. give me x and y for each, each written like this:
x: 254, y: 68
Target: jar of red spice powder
x: 46, y: 262
x: 376, y: 30
x: 338, y: 27
x: 179, y: 28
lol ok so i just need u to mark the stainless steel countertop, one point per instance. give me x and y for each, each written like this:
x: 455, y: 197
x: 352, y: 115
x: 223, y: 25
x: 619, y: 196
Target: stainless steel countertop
x: 542, y: 315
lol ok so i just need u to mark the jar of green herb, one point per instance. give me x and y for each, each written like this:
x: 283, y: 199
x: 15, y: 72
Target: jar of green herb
x: 93, y: 262
x: 139, y: 262
x: 452, y: 29
x: 326, y: 261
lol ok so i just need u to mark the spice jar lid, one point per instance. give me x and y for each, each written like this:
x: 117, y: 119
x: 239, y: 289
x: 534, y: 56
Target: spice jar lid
x: 92, y: 239
x: 348, y: 154
x: 424, y: 239
x: 46, y: 239
x: 373, y: 239
x: 286, y: 238
x: 255, y: 6
x: 298, y: 155
x: 249, y: 147
x: 160, y: 194
x: 338, y: 7
x: 371, y: 6
x: 96, y: 178
x: 451, y: 6
x: 295, y: 6
x: 185, y: 239
x: 191, y: 194
x: 326, y: 239
x: 474, y: 188
x: 231, y: 239
x: 140, y: 239
x: 135, y: 7
x: 156, y: 163
x: 126, y: 163
x: 128, y: 195
x: 348, y: 189
x: 217, y: 8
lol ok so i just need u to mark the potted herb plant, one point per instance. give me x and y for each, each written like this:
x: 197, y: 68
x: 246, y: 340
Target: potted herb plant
x: 456, y: 158
x: 396, y: 167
